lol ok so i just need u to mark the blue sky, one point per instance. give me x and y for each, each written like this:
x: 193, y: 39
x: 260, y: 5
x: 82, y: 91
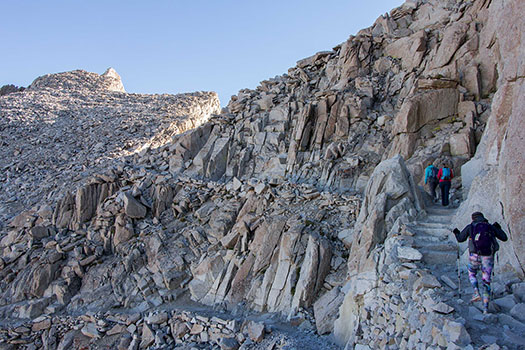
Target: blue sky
x: 174, y: 46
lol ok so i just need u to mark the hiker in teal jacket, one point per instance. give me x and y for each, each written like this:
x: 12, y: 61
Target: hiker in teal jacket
x: 431, y: 178
x: 481, y: 253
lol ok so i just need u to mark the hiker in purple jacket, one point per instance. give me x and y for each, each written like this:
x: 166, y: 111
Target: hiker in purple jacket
x: 482, y: 246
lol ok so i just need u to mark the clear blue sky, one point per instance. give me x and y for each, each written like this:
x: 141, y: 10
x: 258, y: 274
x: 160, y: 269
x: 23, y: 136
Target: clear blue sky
x: 174, y: 46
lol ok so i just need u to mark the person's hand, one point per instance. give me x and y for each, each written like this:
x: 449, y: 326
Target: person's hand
x: 497, y: 225
x: 456, y: 231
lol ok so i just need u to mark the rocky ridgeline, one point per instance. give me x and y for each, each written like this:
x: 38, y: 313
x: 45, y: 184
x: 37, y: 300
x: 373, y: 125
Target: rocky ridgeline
x: 8, y: 89
x: 66, y: 125
x: 299, y: 199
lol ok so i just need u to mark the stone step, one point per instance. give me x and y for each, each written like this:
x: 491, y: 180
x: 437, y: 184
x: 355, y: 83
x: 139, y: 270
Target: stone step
x: 433, y: 224
x: 433, y: 217
x: 438, y: 218
x: 435, y: 245
x: 440, y: 211
x: 442, y: 220
x: 436, y: 257
x: 433, y: 231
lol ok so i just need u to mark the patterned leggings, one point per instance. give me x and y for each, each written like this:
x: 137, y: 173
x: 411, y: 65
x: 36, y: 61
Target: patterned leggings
x: 486, y: 264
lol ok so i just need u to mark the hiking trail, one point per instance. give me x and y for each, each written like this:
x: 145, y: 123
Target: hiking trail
x: 434, y: 239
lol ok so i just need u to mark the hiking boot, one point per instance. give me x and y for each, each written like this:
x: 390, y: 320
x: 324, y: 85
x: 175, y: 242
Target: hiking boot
x: 475, y: 297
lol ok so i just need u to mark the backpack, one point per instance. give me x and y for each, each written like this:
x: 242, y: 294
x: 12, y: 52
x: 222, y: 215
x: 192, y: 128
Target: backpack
x: 445, y: 175
x: 482, y: 238
x: 434, y: 173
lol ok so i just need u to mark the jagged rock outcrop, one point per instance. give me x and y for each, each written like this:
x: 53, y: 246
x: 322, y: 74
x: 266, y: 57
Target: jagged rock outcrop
x: 390, y: 197
x: 9, y: 89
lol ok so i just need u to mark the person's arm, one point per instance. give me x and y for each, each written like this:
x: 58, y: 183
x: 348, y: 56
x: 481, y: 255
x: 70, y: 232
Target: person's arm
x: 451, y: 174
x: 426, y: 175
x: 500, y: 234
x: 440, y: 173
x: 462, y: 236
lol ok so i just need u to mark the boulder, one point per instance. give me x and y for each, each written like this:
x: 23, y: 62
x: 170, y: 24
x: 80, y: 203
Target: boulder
x: 314, y: 269
x: 326, y: 310
x: 157, y: 318
x: 90, y: 330
x: 179, y: 329
x: 68, y: 339
x: 39, y: 232
x: 204, y: 275
x: 506, y: 303
x: 228, y: 344
x: 442, y: 308
x: 147, y: 337
x: 410, y: 50
x: 132, y: 207
x: 518, y: 311
x: 112, y: 81
x: 255, y: 331
x: 124, y: 230
x: 518, y: 289
x: 409, y: 254
x: 456, y: 333
x: 423, y: 109
x: 453, y: 37
x: 389, y: 184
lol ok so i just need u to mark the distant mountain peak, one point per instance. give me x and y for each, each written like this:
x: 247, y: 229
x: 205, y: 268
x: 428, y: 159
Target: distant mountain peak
x: 80, y: 80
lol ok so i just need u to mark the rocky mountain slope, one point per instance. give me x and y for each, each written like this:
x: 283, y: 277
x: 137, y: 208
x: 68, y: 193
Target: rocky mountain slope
x: 139, y: 221
x: 67, y: 125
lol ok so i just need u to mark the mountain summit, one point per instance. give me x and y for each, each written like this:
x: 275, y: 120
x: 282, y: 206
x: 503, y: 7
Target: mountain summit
x: 80, y: 80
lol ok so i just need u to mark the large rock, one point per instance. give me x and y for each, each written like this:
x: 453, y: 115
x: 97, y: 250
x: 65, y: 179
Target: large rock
x: 389, y: 185
x: 389, y: 188
x: 124, y: 230
x: 132, y: 207
x: 255, y: 331
x: 204, y: 275
x: 326, y: 310
x: 453, y: 38
x: 410, y: 50
x: 420, y: 110
x: 314, y: 269
x: 280, y: 295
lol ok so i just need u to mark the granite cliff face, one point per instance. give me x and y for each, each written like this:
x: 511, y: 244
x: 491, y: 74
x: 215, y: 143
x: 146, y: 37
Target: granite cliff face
x: 494, y: 175
x: 300, y: 198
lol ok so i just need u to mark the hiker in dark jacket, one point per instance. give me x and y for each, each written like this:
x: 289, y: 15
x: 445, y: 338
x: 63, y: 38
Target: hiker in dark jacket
x: 482, y: 246
x: 445, y: 177
x: 431, y: 178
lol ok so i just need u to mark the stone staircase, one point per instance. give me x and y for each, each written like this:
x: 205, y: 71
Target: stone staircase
x: 434, y: 239
x: 505, y: 324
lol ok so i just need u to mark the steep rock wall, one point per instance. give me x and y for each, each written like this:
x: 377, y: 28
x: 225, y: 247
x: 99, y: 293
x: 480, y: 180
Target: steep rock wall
x: 494, y: 177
